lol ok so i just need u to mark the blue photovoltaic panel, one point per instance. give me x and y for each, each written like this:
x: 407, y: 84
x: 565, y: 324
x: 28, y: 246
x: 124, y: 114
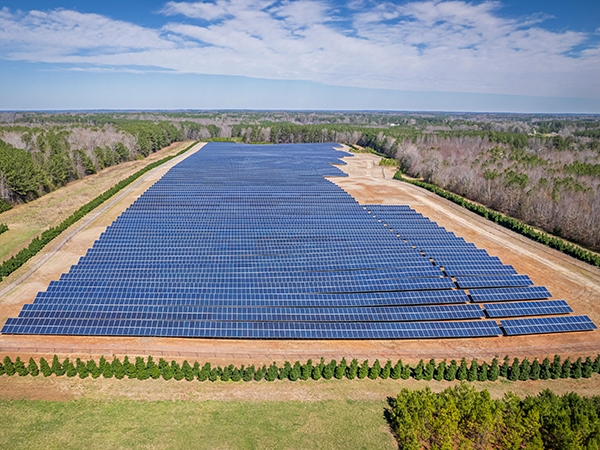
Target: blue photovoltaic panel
x: 543, y: 325
x: 243, y: 241
x: 509, y: 294
x: 495, y: 281
x: 539, y: 308
x: 258, y: 330
x: 273, y: 314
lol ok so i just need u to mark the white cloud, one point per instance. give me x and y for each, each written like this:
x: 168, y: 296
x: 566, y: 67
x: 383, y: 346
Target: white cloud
x: 450, y: 46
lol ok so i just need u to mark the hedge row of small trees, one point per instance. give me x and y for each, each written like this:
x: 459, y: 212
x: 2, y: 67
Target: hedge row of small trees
x: 143, y: 369
x: 510, y: 223
x: 38, y: 243
x: 3, y: 228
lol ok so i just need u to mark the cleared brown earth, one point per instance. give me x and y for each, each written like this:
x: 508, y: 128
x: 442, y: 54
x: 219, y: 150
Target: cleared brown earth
x: 565, y: 277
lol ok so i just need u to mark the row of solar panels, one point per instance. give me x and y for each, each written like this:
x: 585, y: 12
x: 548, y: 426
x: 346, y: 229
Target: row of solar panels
x: 299, y: 330
x: 308, y: 314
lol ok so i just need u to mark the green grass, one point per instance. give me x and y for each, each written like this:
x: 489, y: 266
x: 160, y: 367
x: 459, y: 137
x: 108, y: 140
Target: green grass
x: 120, y: 424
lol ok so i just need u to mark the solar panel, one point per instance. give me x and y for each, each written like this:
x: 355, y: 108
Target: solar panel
x: 243, y: 241
x: 546, y: 325
x: 509, y: 294
x: 516, y: 309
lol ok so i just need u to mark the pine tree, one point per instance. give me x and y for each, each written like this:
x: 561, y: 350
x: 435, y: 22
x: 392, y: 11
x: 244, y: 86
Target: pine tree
x: 93, y: 369
x: 295, y: 372
x: 515, y: 370
x: 397, y: 370
x: 204, y: 372
x: 340, y: 370
x: 20, y: 367
x: 285, y: 371
x: 429, y: 370
x: 587, y: 368
x: 188, y: 371
x: 463, y: 370
x: 451, y: 371
x: 2, y: 371
x: 128, y: 368
x: 546, y: 371
x: 82, y: 369
x: 577, y: 369
x: 248, y: 373
x: 45, y: 367
x: 329, y: 369
x: 375, y: 370
x: 473, y: 371
x: 236, y: 375
x: 227, y: 372
x: 596, y: 366
x: 195, y: 368
x: 178, y: 372
x: 440, y: 371
x: 405, y: 372
x: 352, y: 371
x: 9, y: 367
x: 555, y: 368
x: 57, y: 367
x: 306, y: 371
x: 70, y: 369
x: 167, y: 372
x: 102, y: 363
x: 32, y: 368
x: 536, y: 369
x: 212, y: 376
x: 363, y: 372
x: 140, y: 369
x: 566, y: 369
x: 386, y: 371
x: 525, y: 370
x: 260, y: 373
x: 504, y: 368
x: 272, y: 372
x: 483, y: 372
x: 494, y: 372
x: 418, y: 372
x: 152, y: 369
x: 107, y: 372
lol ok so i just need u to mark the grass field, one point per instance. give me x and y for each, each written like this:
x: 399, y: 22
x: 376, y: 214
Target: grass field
x: 117, y: 424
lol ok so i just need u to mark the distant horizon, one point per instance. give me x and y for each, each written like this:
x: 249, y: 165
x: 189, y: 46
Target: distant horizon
x: 225, y: 110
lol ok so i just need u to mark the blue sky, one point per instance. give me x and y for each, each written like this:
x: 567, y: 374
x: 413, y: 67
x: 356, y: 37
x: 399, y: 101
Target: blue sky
x: 521, y: 56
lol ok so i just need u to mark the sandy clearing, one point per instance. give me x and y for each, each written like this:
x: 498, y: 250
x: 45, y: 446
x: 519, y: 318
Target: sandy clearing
x: 369, y: 183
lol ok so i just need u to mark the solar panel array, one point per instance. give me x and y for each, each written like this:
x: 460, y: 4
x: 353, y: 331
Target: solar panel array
x: 243, y: 241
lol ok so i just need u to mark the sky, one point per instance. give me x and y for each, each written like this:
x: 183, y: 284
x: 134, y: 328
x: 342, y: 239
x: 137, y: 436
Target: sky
x: 497, y: 56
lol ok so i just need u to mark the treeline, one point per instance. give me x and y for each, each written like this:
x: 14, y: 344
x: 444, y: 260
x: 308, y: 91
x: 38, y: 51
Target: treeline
x: 41, y: 160
x: 142, y: 369
x: 462, y: 417
x: 531, y: 179
x: 510, y: 223
x: 38, y: 243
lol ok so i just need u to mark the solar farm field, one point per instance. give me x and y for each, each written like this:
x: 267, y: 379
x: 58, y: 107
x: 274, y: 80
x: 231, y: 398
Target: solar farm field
x: 261, y: 251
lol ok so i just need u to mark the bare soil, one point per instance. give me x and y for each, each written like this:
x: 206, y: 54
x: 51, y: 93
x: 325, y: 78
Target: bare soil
x: 369, y: 183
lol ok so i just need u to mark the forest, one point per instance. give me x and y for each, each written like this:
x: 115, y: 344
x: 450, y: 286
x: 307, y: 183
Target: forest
x: 462, y: 417
x: 541, y: 169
